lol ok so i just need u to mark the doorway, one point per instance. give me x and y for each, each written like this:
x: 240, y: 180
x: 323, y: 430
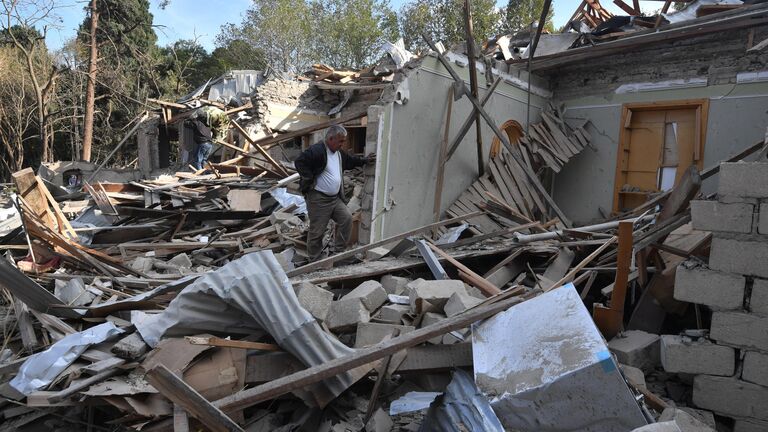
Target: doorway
x: 657, y: 143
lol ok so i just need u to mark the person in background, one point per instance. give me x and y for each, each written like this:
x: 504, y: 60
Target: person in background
x: 321, y: 168
x: 203, y: 136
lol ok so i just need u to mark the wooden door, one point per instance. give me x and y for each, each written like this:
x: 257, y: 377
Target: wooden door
x: 657, y: 146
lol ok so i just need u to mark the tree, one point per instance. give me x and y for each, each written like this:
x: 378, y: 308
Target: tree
x: 443, y: 21
x: 293, y: 34
x: 282, y: 29
x: 90, y: 93
x: 17, y: 111
x: 127, y: 57
x: 40, y: 68
x: 353, y: 30
x: 520, y: 14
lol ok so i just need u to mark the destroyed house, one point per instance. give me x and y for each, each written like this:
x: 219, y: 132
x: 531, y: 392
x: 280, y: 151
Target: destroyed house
x: 581, y: 247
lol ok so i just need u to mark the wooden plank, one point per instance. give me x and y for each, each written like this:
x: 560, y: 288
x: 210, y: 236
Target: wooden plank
x: 568, y: 277
x: 442, y: 158
x: 278, y: 166
x: 29, y: 292
x: 478, y: 281
x: 271, y: 141
x: 181, y: 394
x: 26, y: 183
x: 26, y: 329
x: 350, y: 253
x: 298, y: 380
x: 216, y: 341
x: 510, y: 195
x: 610, y: 320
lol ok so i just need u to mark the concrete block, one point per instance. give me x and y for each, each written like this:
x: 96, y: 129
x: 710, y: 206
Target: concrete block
x: 703, y: 416
x: 683, y: 355
x: 379, y: 422
x: 142, y: 264
x: 314, y: 299
x: 393, y: 313
x: 730, y: 397
x: 130, y: 347
x: 370, y: 293
x: 376, y: 253
x: 755, y: 368
x: 346, y: 314
x: 459, y: 302
x: 181, y: 260
x: 436, y: 292
x: 685, y: 421
x: 372, y: 333
x: 750, y: 425
x: 394, y: 284
x: 696, y: 283
x: 758, y: 300
x: 429, y: 319
x: 743, y: 179
x: 715, y: 216
x: 739, y: 256
x: 636, y: 348
x: 742, y: 329
x: 762, y: 220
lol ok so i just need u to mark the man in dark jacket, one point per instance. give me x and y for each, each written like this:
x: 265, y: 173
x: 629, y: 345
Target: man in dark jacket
x: 203, y: 136
x: 321, y: 168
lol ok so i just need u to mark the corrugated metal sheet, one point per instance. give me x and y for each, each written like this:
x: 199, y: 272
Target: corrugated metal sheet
x: 461, y: 408
x: 235, y: 85
x: 245, y: 296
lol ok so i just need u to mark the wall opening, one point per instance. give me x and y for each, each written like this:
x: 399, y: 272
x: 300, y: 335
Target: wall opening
x: 514, y: 132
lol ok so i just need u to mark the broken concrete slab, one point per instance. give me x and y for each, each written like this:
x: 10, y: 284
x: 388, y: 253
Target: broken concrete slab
x: 556, y: 371
x: 696, y: 283
x: 371, y: 293
x: 181, y: 261
x: 429, y: 319
x: 314, y: 299
x: 459, y: 302
x: 346, y: 314
x: 379, y: 422
x: 376, y: 253
x: 683, y: 355
x: 436, y: 292
x: 636, y: 348
x: 372, y: 333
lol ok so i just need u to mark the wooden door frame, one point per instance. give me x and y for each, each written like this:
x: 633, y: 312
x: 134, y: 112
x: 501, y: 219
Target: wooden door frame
x: 702, y: 114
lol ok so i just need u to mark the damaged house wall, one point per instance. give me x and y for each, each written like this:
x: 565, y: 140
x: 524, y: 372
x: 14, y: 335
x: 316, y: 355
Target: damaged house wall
x: 715, y: 67
x: 406, y: 138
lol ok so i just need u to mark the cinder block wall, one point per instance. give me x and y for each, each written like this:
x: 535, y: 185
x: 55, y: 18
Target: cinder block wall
x: 731, y: 366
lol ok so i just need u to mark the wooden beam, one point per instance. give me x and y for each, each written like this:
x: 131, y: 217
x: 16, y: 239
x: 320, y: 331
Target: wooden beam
x: 299, y: 380
x: 468, y: 122
x: 268, y: 142
x: 219, y: 342
x: 475, y: 279
x: 181, y: 394
x: 279, y: 167
x: 350, y: 253
x: 610, y: 320
x: 470, y: 44
x: 442, y: 158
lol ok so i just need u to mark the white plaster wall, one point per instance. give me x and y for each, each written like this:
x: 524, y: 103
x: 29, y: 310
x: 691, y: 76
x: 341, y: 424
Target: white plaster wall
x: 410, y: 143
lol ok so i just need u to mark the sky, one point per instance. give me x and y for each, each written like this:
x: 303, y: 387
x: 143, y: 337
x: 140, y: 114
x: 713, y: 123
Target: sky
x: 201, y: 19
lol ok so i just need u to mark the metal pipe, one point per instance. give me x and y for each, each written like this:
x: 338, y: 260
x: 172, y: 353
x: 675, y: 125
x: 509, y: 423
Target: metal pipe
x: 523, y: 238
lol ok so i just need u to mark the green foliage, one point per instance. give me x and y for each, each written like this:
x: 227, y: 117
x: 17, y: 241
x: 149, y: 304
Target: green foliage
x: 520, y: 14
x: 443, y: 20
x: 293, y: 34
x: 27, y: 36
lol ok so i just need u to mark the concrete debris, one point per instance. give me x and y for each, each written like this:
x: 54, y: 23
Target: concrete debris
x: 314, y: 299
x: 636, y: 348
x: 370, y: 293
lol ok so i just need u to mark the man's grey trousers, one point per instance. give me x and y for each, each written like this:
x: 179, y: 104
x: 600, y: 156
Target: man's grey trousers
x: 321, y: 209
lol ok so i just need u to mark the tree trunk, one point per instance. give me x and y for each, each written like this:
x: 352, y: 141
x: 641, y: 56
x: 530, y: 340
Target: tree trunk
x: 90, y: 93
